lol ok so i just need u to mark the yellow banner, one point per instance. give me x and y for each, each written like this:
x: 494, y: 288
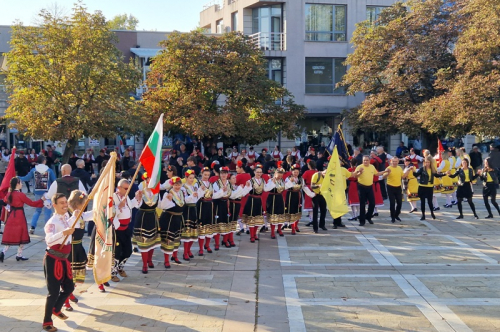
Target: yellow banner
x: 333, y: 187
x: 103, y: 217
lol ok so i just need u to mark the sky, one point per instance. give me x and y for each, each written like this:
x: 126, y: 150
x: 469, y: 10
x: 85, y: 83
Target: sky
x: 159, y: 15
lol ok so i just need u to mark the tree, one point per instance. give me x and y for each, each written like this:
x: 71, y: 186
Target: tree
x: 211, y: 87
x: 67, y: 80
x: 396, y: 63
x: 123, y: 22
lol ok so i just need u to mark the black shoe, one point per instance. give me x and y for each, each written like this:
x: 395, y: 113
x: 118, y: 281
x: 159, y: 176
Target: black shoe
x: 21, y: 258
x: 475, y: 216
x: 2, y: 256
x: 432, y: 215
x: 423, y: 218
x: 454, y: 203
x: 334, y: 226
x: 240, y: 232
x: 393, y: 221
x: 352, y: 219
x: 32, y: 230
x: 316, y: 232
x: 262, y: 229
x: 375, y: 215
x: 297, y: 230
x: 324, y: 228
x: 106, y: 284
x: 414, y: 210
x: 397, y: 218
x: 341, y: 225
x: 248, y: 232
x: 361, y: 224
x: 490, y: 216
x: 136, y: 250
x: 460, y: 217
x: 309, y: 224
x: 370, y: 221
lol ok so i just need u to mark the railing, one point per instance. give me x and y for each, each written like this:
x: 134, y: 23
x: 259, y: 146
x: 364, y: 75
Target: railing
x: 219, y: 4
x: 231, y: 1
x: 269, y: 41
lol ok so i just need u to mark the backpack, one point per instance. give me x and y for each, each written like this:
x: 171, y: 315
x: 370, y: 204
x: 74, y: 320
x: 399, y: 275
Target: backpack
x: 41, y: 181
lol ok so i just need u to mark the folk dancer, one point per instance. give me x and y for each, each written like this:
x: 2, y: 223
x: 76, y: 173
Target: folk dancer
x: 252, y: 156
x: 394, y: 191
x: 410, y: 185
x: 146, y: 226
x: 307, y: 176
x: 232, y: 158
x: 205, y: 212
x: 192, y: 194
x: 447, y: 182
x: 426, y: 175
x: 123, y: 244
x: 275, y: 204
x: 438, y: 185
x: 222, y: 193
x: 56, y: 265
x: 276, y: 154
x: 465, y: 176
x: 252, y: 211
x: 490, y: 182
x: 235, y: 202
x: 352, y: 193
x: 293, y: 201
x: 242, y: 178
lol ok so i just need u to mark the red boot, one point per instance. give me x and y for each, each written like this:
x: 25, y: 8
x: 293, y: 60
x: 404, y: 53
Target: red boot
x: 200, y: 243
x: 67, y: 306
x: 279, y: 230
x: 145, y: 257
x: 293, y: 228
x: 255, y: 231
x: 207, y: 245
x: 174, y: 258
x: 150, y: 258
x: 166, y: 263
x: 231, y: 239
x: 252, y: 234
x: 72, y: 298
x: 216, y: 240
x: 273, y: 235
x: 185, y: 256
x: 190, y: 254
x: 297, y: 226
x: 226, y: 241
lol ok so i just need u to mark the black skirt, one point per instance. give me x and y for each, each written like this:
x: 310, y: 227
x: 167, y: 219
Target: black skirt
x: 293, y: 206
x: 78, y: 256
x: 464, y: 191
x: 146, y: 226
x: 206, y: 226
x: 252, y: 212
x: 222, y: 216
x: 171, y: 225
x: 275, y: 208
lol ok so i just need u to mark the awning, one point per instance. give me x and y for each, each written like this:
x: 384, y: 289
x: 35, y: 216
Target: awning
x: 145, y: 52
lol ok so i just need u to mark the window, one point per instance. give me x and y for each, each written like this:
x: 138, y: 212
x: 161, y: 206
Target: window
x: 220, y: 26
x: 274, y: 70
x: 234, y: 21
x: 325, y: 22
x: 373, y: 13
x: 322, y: 74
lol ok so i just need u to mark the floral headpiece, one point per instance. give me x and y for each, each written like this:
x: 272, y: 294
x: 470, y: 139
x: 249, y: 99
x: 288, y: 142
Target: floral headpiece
x: 174, y: 180
x: 189, y: 172
x: 144, y: 175
x: 224, y: 169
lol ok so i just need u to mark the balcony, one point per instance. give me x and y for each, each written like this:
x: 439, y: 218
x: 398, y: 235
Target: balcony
x: 218, y: 4
x: 269, y: 41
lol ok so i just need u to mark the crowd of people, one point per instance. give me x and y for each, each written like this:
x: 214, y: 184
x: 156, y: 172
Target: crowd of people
x: 208, y: 199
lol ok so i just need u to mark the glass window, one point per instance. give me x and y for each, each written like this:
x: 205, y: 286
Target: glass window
x: 325, y: 22
x: 274, y: 69
x: 220, y: 26
x: 373, y: 13
x: 322, y: 74
x: 234, y: 21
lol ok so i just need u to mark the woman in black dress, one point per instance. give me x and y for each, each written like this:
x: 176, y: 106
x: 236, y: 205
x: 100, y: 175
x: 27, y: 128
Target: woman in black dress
x: 490, y: 182
x: 293, y: 201
x: 465, y: 176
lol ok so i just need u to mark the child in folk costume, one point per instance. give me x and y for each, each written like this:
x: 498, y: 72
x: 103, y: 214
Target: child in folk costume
x: 296, y: 155
x: 293, y: 201
x: 252, y: 211
x: 242, y: 178
x: 146, y: 226
x: 275, y: 204
x: 307, y: 177
x: 192, y: 192
x: 411, y: 185
x: 447, y: 182
x: 172, y: 220
x: 222, y: 193
x: 276, y: 154
x: 123, y: 244
x: 352, y: 193
x: 16, y: 229
x: 77, y: 256
x: 235, y: 202
x: 232, y: 158
x: 205, y: 212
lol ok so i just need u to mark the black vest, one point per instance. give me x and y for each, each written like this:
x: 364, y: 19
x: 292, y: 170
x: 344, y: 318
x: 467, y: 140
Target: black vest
x: 67, y: 184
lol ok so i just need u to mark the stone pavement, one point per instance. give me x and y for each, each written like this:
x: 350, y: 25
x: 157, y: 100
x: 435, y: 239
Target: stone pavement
x: 434, y: 275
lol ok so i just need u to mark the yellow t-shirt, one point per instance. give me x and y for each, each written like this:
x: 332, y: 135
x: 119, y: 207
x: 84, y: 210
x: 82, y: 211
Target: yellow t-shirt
x: 316, y: 182
x: 346, y: 173
x: 366, y: 178
x: 429, y: 183
x: 466, y: 171
x: 395, y: 176
x: 488, y: 177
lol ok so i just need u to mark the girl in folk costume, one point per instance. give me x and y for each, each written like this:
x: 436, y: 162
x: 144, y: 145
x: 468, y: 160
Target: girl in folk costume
x: 252, y: 157
x: 215, y: 166
x: 438, y: 185
x: 232, y: 158
x: 296, y: 155
x: 458, y: 156
x: 465, y: 176
x: 77, y: 256
x: 307, y: 177
x: 146, y: 227
x: 172, y: 220
x: 205, y: 212
x: 426, y: 176
x: 275, y: 204
x: 16, y: 229
x: 235, y: 202
x: 490, y: 182
x: 222, y: 193
x: 352, y: 193
x: 242, y: 178
x: 192, y: 192
x: 293, y: 201
x: 287, y: 165
x: 252, y: 212
x: 377, y: 193
x: 447, y: 182
x: 276, y: 154
x: 415, y: 158
x: 411, y: 185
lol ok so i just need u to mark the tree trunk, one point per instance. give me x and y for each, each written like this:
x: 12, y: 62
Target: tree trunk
x: 68, y: 150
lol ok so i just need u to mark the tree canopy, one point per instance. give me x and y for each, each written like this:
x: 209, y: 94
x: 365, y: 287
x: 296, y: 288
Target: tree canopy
x: 67, y: 80
x: 428, y: 65
x: 211, y: 87
x: 123, y: 22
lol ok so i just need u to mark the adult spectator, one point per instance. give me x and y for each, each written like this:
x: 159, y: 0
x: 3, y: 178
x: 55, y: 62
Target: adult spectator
x: 358, y: 156
x: 100, y: 158
x: 191, y: 164
x: 183, y: 153
x: 417, y: 146
x: 261, y: 159
x: 44, y: 177
x: 132, y: 168
x: 322, y: 161
x: 66, y: 184
x: 22, y: 166
x: 83, y: 175
x: 88, y: 158
x: 126, y: 160
x: 476, y: 158
x: 401, y: 148
x: 494, y: 158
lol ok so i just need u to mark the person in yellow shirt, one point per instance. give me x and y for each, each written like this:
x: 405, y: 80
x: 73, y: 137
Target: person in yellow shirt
x: 394, y: 191
x: 490, y: 182
x: 365, y: 174
x: 465, y: 177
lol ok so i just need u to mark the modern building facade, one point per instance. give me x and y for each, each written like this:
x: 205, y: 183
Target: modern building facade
x: 306, y: 43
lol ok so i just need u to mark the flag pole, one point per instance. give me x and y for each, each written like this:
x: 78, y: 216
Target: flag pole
x: 133, y: 179
x: 91, y: 196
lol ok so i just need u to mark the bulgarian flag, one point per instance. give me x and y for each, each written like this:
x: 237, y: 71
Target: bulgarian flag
x: 151, y: 156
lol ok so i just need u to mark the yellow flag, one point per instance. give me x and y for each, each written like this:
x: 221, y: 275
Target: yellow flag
x: 333, y: 187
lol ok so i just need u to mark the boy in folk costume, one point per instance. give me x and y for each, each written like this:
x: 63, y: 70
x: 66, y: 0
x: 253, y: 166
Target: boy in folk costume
x: 123, y: 243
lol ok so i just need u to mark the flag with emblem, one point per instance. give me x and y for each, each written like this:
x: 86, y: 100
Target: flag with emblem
x: 333, y: 187
x: 151, y: 156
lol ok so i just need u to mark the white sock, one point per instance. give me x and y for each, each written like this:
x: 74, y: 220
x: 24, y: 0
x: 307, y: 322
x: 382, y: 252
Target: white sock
x: 435, y: 201
x: 448, y: 199
x: 454, y: 196
x: 20, y: 250
x: 411, y: 205
x: 5, y: 249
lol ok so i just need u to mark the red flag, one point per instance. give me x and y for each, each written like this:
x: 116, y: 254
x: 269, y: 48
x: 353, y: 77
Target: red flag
x: 439, y: 152
x: 9, y: 174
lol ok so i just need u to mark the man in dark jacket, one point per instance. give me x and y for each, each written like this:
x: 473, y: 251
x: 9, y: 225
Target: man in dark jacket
x: 83, y: 175
x: 476, y: 158
x: 23, y: 167
x: 322, y: 161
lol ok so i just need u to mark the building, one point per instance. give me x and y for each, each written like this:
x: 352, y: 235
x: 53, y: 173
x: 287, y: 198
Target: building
x: 306, y: 43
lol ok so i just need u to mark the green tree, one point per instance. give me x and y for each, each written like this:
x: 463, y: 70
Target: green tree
x: 396, y: 63
x: 123, y: 22
x: 212, y: 87
x: 67, y: 80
